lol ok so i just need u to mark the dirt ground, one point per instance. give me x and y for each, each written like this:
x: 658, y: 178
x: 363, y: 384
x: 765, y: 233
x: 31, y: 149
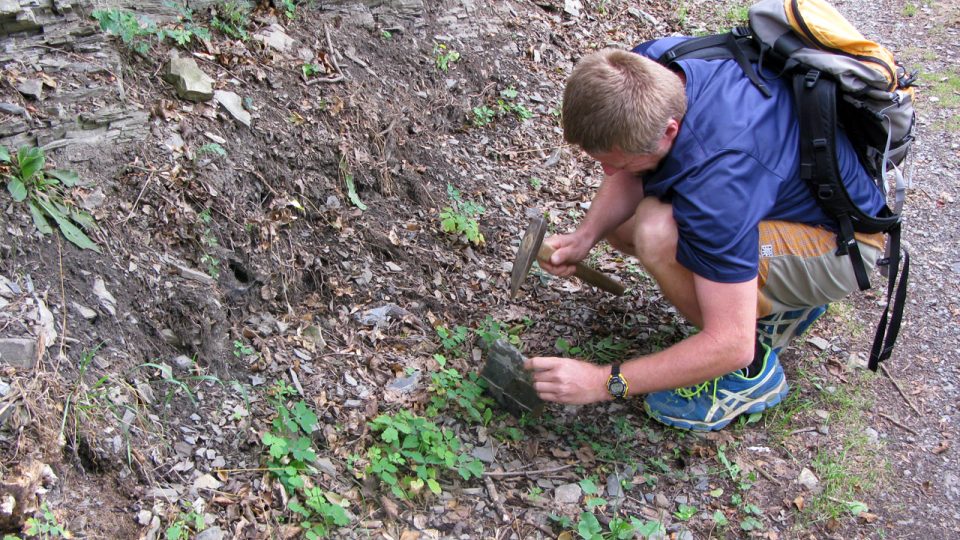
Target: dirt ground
x: 308, y: 251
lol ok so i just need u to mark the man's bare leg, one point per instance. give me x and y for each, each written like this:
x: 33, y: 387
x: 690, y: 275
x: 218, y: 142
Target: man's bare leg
x: 651, y: 236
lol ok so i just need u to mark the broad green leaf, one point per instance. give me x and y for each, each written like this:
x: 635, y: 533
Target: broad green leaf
x: 589, y: 527
x: 352, y: 192
x: 30, y: 160
x: 69, y: 178
x: 390, y: 435
x: 305, y: 417
x: 856, y: 507
x: 589, y: 486
x: 647, y: 529
x: 4, y: 154
x: 434, y: 486
x: 336, y: 513
x: 593, y: 502
x: 719, y: 518
x: 39, y: 221
x: 17, y: 189
x: 83, y: 219
x: 69, y: 230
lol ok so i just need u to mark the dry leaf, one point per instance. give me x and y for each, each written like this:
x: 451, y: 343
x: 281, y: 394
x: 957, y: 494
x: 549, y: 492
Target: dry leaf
x: 390, y: 507
x: 941, y: 448
x: 798, y: 502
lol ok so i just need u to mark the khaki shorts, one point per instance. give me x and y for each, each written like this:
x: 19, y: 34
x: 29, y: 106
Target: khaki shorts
x: 799, y: 267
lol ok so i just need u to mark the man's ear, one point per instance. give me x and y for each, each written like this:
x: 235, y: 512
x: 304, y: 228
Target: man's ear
x: 673, y: 127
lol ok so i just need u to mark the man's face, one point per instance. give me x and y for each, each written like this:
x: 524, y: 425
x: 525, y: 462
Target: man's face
x: 617, y: 161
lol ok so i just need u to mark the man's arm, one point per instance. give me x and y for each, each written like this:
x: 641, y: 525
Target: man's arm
x: 725, y: 344
x: 614, y: 203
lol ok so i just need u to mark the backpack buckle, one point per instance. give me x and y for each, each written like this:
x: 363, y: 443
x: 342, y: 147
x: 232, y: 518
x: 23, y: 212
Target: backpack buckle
x: 811, y: 78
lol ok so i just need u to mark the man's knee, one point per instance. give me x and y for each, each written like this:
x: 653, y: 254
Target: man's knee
x: 655, y: 232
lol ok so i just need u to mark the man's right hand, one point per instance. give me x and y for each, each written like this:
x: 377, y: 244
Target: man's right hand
x: 569, y: 249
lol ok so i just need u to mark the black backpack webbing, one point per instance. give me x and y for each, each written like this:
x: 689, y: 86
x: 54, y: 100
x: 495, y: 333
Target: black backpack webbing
x: 816, y: 101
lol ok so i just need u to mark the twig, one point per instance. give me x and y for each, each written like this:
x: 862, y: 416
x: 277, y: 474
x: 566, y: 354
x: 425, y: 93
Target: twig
x: 896, y: 423
x: 897, y: 386
x: 63, y: 296
x: 506, y: 474
x: 139, y: 196
x: 497, y: 501
x: 529, y: 150
x: 802, y: 430
x: 767, y: 475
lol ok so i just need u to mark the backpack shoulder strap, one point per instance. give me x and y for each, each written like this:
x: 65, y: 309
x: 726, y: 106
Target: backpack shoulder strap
x: 737, y: 44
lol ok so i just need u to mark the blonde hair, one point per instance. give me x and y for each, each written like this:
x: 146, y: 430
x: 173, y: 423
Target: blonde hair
x: 617, y: 98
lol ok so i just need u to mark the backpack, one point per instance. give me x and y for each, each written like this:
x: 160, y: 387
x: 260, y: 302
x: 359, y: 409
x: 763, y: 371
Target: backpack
x: 839, y: 78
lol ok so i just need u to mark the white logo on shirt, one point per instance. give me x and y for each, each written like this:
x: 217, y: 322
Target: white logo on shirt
x: 766, y: 250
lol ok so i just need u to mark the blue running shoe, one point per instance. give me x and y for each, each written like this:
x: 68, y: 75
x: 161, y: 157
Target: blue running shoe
x: 776, y: 330
x: 714, y: 404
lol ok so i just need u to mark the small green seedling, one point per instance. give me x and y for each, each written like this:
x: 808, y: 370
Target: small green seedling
x: 444, y: 56
x: 46, y: 526
x: 45, y: 193
x: 208, y: 243
x: 461, y: 217
x: 309, y: 70
x: 232, y: 18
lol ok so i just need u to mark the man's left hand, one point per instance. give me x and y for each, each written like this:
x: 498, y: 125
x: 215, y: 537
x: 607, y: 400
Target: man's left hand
x: 569, y: 381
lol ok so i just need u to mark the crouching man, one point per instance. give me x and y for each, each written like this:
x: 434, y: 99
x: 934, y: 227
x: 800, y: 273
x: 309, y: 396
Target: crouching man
x: 701, y: 184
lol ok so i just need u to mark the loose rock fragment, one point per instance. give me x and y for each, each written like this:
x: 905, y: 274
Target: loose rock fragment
x: 189, y: 80
x: 234, y: 105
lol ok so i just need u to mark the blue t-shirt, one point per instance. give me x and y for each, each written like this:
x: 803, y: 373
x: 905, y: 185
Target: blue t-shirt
x: 734, y: 163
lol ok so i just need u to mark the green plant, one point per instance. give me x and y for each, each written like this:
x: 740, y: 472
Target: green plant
x: 682, y: 15
x: 461, y: 217
x: 589, y: 527
x: 411, y: 452
x: 737, y: 15
x: 135, y: 35
x: 386, y: 34
x: 909, y: 10
x: 290, y: 459
x: 185, y: 31
x: 490, y: 330
x: 454, y: 340
x: 444, y: 56
x: 482, y: 116
x: 289, y: 8
x: 685, y: 512
x: 208, y: 241
x: 309, y: 70
x: 242, y: 350
x: 351, y: 186
x: 232, y: 18
x: 507, y: 104
x: 46, y: 526
x: 449, y: 388
x: 44, y: 191
x: 127, y: 27
x: 185, y: 526
x: 208, y: 149
x: 175, y: 385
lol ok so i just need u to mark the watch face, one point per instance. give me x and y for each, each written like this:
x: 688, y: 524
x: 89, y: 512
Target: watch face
x: 616, y: 388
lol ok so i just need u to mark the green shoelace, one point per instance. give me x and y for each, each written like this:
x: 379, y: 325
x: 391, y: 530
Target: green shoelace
x: 691, y: 392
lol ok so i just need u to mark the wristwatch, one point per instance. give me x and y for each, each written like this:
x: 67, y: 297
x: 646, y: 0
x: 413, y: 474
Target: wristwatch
x: 617, y: 383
